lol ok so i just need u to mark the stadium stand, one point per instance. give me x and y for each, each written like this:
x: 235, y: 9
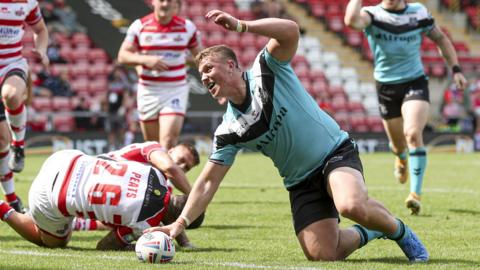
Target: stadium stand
x: 337, y: 88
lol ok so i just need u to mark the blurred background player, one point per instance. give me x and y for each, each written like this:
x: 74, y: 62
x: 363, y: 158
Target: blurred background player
x: 268, y: 109
x: 394, y: 30
x: 128, y: 196
x: 156, y: 44
x: 14, y: 75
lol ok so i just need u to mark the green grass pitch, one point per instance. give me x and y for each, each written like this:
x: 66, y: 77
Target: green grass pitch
x: 248, y: 224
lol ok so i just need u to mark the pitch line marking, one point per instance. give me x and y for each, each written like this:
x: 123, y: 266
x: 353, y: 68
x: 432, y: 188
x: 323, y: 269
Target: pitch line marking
x: 228, y: 264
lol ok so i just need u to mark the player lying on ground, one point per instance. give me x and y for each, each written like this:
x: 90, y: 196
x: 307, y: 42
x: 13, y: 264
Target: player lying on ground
x: 173, y: 163
x: 128, y: 196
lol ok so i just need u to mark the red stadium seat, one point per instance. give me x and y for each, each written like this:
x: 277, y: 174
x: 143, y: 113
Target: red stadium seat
x: 98, y: 86
x: 38, y: 122
x: 61, y: 104
x: 96, y: 55
x: 80, y: 40
x: 81, y: 86
x: 63, y: 122
x: 42, y: 104
x: 79, y: 70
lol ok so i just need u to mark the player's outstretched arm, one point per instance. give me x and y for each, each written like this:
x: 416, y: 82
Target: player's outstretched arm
x: 355, y: 17
x: 162, y: 161
x: 202, y: 193
x: 283, y: 34
x: 448, y: 52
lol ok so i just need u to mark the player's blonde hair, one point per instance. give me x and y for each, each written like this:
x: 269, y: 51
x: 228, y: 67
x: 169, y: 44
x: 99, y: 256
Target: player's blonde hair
x: 222, y: 51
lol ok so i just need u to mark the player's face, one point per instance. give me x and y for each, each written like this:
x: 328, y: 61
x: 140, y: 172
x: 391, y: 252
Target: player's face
x: 182, y: 157
x: 165, y: 8
x: 393, y: 4
x: 214, y: 74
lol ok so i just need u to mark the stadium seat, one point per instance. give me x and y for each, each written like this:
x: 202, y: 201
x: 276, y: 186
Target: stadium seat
x: 42, y: 104
x: 97, y: 55
x: 81, y: 86
x: 38, y: 122
x: 80, y: 40
x: 56, y: 69
x: 63, y: 122
x: 79, y: 70
x: 61, y: 104
x: 98, y: 86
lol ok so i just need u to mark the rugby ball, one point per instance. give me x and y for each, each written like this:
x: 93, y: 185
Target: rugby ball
x: 155, y: 247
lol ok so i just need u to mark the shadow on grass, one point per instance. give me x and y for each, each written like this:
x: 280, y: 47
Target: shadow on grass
x: 8, y: 238
x: 403, y: 261
x: 465, y: 211
x: 251, y: 202
x: 212, y: 249
x: 229, y: 227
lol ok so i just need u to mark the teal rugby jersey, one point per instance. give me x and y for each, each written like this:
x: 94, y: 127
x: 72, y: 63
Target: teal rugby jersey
x: 280, y: 119
x: 395, y: 39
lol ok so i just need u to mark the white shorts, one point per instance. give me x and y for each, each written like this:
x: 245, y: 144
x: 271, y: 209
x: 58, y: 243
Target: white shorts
x: 153, y: 102
x: 19, y: 65
x: 44, y: 192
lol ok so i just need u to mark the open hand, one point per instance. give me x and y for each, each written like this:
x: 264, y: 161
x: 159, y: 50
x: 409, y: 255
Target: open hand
x: 173, y: 229
x: 223, y: 19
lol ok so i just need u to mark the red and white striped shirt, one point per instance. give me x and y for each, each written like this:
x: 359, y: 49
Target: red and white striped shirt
x: 126, y: 195
x: 13, y: 15
x: 170, y: 42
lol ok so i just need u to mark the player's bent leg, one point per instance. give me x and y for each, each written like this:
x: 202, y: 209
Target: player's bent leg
x: 349, y: 193
x: 398, y: 146
x: 6, y: 175
x: 52, y: 241
x: 324, y: 241
x: 150, y: 130
x: 170, y: 128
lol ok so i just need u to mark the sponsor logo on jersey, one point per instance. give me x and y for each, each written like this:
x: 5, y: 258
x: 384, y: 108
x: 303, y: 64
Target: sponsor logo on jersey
x: 20, y: 12
x: 148, y: 38
x: 412, y: 21
x: 395, y: 38
x: 178, y: 38
x: 4, y: 10
x: 8, y: 32
x: 270, y: 135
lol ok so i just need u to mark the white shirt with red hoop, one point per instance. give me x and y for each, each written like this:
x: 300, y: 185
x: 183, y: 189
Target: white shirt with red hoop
x: 13, y: 15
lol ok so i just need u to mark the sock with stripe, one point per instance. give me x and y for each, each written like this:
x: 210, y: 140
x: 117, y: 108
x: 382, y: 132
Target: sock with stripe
x: 366, y: 235
x: 399, y: 232
x: 416, y: 166
x: 402, y: 155
x: 5, y: 210
x: 6, y: 176
x: 17, y: 119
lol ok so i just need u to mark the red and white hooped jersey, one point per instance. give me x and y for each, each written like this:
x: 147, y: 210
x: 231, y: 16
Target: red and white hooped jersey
x: 118, y: 193
x: 170, y: 42
x: 13, y: 15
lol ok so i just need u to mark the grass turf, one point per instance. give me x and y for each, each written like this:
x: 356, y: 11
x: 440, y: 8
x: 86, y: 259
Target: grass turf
x: 248, y: 224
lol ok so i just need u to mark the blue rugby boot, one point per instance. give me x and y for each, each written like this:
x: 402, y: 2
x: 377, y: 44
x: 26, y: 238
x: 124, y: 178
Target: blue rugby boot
x: 413, y: 247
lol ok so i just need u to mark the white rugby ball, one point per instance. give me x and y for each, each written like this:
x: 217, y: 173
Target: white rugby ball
x: 155, y: 247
